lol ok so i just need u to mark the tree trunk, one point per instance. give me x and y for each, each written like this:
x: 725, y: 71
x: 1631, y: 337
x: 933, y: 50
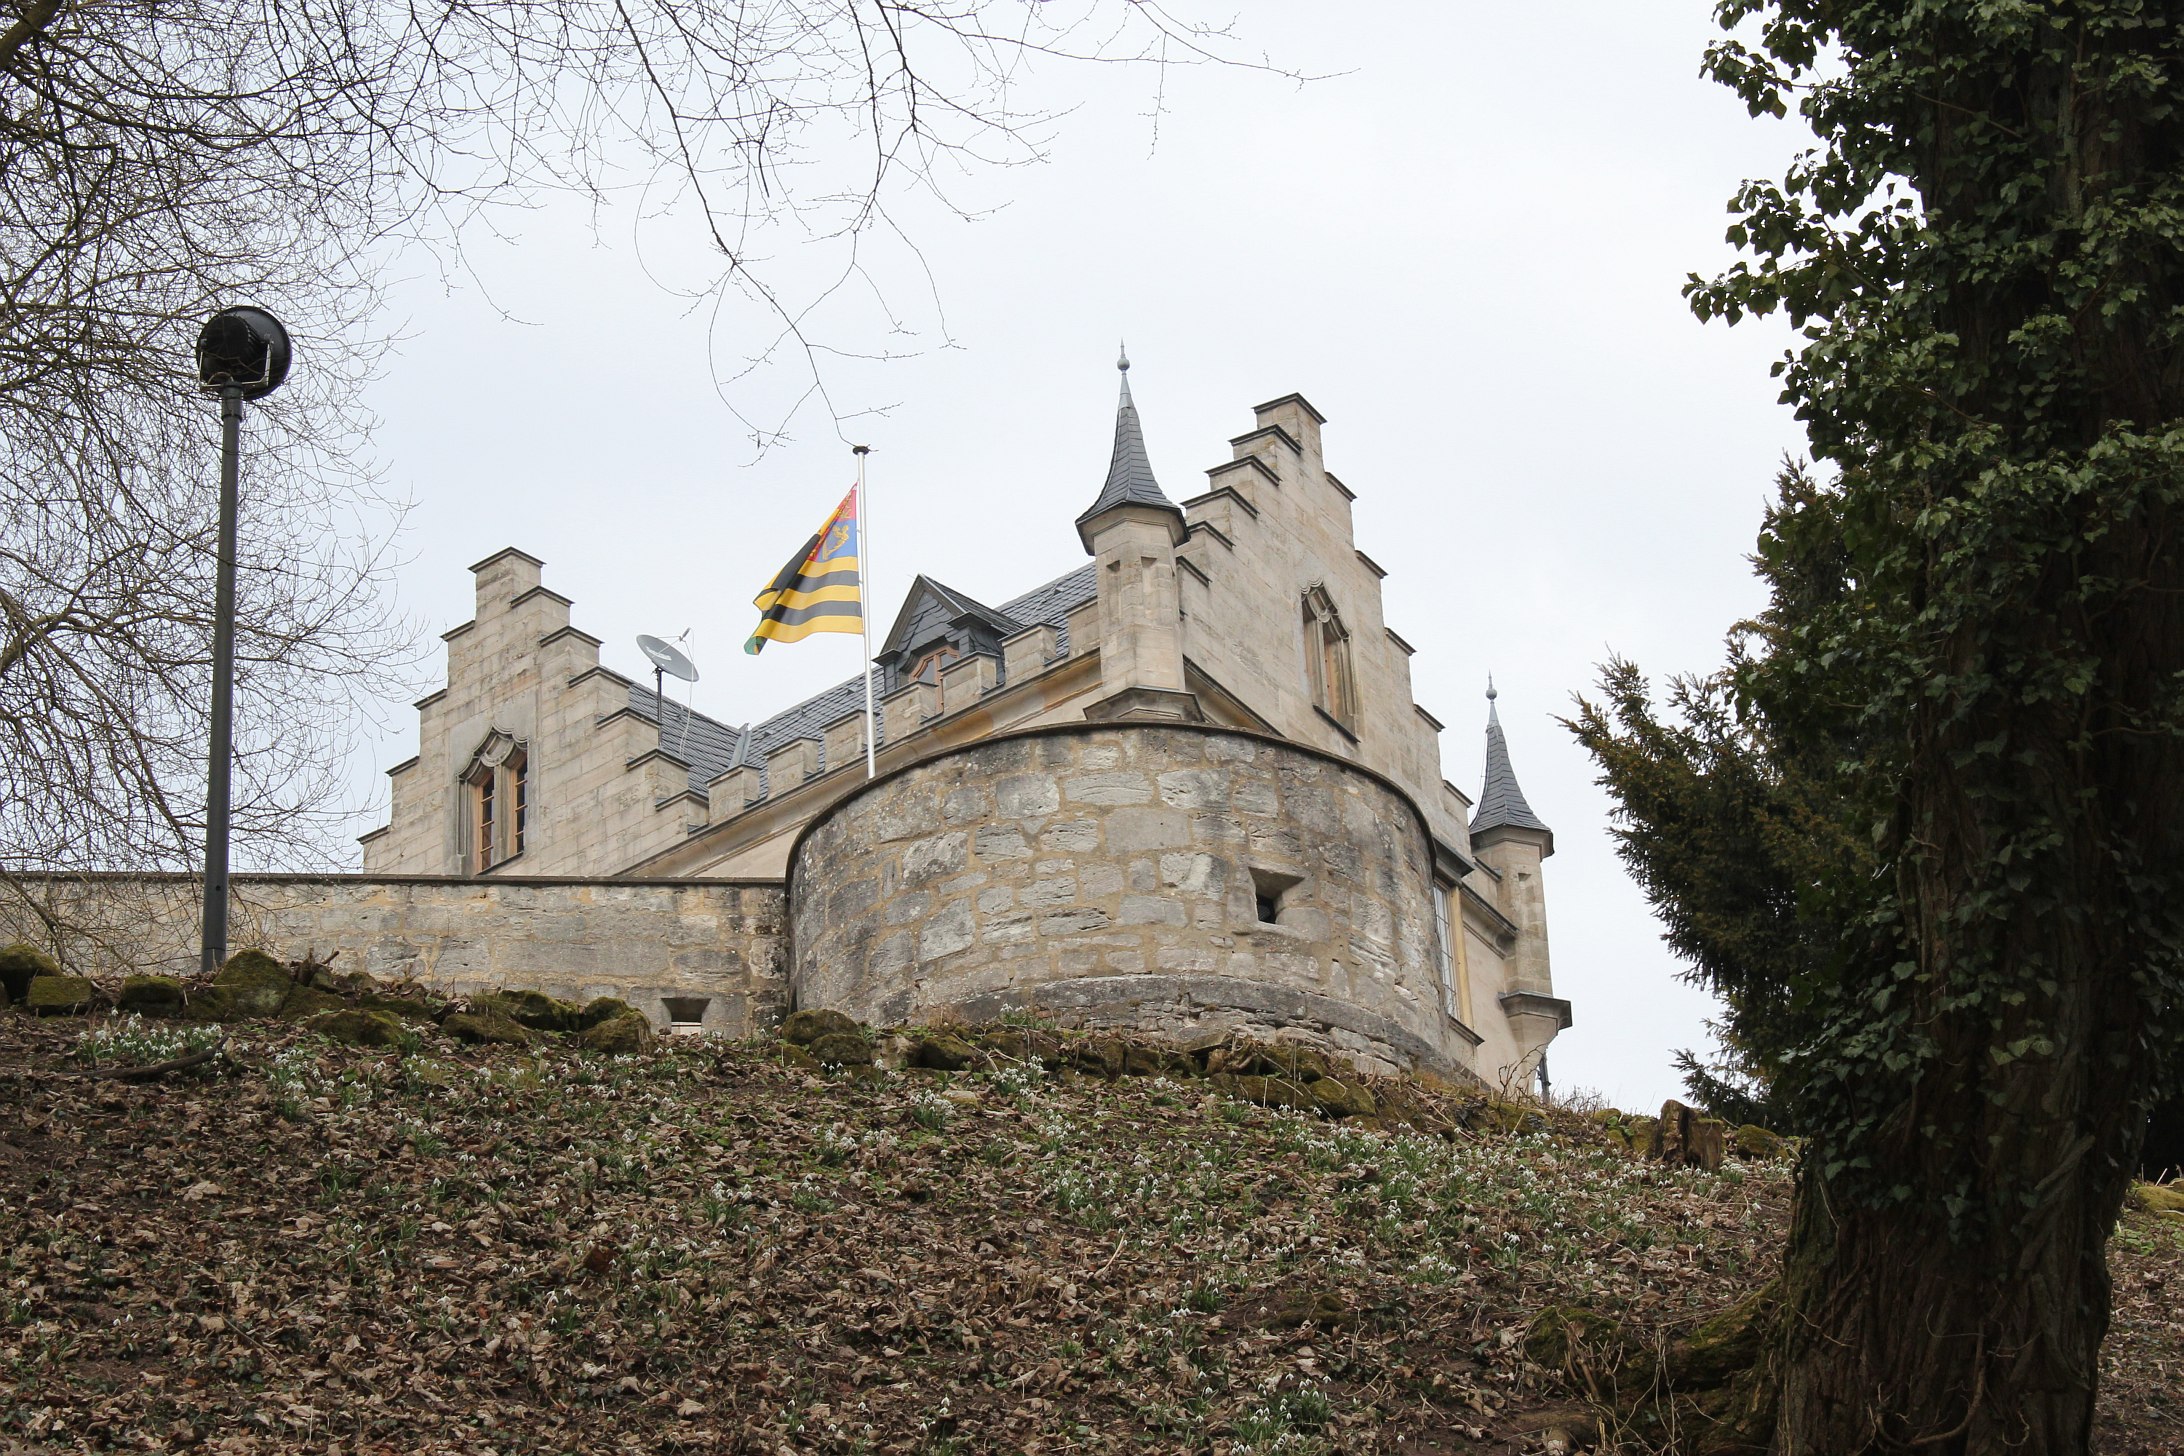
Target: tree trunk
x: 1899, y: 1339
x: 1950, y: 1295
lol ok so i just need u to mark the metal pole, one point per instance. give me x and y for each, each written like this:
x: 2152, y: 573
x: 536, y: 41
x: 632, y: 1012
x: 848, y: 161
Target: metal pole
x: 864, y: 611
x: 223, y: 689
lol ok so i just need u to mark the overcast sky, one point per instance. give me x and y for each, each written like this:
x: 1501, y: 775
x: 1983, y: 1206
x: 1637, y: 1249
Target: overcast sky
x: 1465, y: 246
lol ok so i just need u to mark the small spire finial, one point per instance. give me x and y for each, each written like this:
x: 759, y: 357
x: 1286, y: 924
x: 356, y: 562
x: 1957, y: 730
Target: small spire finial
x: 1491, y: 695
x: 1122, y: 357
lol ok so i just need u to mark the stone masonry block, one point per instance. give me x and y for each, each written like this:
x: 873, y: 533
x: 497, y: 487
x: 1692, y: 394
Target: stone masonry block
x: 1118, y: 787
x: 1151, y: 910
x: 948, y: 931
x: 1132, y: 830
x: 1027, y: 796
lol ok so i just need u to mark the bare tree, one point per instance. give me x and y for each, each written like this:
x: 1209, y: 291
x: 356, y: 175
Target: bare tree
x: 162, y: 158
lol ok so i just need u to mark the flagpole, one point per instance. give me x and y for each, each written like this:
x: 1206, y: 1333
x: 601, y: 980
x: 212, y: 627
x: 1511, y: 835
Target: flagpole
x: 864, y: 609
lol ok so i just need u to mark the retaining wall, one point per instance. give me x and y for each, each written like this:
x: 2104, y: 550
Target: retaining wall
x: 720, y: 941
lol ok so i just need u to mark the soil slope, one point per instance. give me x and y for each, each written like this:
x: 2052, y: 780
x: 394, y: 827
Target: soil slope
x: 322, y: 1248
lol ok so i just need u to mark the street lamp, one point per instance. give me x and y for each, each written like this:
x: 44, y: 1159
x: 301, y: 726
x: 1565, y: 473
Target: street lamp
x: 242, y: 353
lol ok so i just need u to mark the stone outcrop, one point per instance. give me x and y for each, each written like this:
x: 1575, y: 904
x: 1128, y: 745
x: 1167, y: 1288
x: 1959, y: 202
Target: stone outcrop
x: 363, y: 1028
x: 22, y: 963
x: 58, y: 995
x: 153, y: 996
x: 488, y: 1028
x: 252, y: 983
x: 624, y: 1033
x: 1687, y: 1136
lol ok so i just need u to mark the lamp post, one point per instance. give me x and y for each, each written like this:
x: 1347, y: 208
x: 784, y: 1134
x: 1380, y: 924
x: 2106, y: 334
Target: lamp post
x: 242, y: 353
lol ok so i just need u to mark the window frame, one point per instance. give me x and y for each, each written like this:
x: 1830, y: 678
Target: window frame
x: 1452, y: 965
x: 1329, y: 673
x: 494, y: 791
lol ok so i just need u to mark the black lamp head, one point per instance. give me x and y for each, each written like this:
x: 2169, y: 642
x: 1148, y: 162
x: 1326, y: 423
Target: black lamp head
x: 244, y: 347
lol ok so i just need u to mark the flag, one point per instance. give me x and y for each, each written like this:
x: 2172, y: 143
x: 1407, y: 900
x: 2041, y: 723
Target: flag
x: 820, y: 590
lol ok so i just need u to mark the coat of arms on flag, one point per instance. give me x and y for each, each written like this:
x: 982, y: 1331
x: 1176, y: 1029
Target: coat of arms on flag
x: 820, y: 590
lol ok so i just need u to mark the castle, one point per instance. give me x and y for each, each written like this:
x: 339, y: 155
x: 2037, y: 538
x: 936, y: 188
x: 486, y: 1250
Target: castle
x: 1183, y: 788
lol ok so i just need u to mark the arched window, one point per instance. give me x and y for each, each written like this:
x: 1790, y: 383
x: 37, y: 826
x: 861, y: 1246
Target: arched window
x: 929, y: 666
x: 496, y: 803
x: 1327, y: 659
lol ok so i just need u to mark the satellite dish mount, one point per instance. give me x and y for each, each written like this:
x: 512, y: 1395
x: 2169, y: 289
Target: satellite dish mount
x: 668, y: 661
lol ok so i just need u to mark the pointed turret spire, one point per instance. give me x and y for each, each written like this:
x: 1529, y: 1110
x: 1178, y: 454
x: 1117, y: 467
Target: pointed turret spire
x: 1129, y: 473
x: 1501, y: 802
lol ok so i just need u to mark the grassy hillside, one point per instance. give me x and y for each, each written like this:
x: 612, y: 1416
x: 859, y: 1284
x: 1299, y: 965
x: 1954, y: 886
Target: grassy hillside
x: 322, y: 1248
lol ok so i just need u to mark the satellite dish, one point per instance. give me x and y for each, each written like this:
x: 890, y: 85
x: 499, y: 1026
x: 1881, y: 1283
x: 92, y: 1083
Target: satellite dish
x: 668, y: 658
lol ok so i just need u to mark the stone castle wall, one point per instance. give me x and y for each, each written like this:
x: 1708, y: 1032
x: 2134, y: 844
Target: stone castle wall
x: 720, y: 941
x: 1110, y: 874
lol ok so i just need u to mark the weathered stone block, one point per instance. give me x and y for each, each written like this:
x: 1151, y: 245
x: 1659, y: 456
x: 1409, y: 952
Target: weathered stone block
x: 1001, y: 841
x: 1027, y: 796
x: 152, y: 996
x: 1118, y: 787
x: 58, y: 995
x: 20, y: 964
x: 1071, y: 836
x: 255, y: 984
x: 1077, y: 921
x: 1132, y: 830
x: 951, y: 929
x: 1150, y: 910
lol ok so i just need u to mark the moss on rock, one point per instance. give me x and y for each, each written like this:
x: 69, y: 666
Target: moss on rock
x: 153, y: 996
x: 802, y: 1028
x: 1725, y: 1345
x: 410, y: 1008
x: 1033, y: 1045
x: 1759, y: 1145
x: 943, y: 1051
x: 840, y: 1049
x: 358, y: 1027
x: 307, y: 1001
x: 22, y: 963
x: 533, y: 1009
x: 1266, y: 1091
x: 210, y: 1004
x: 1338, y: 1098
x: 484, y: 1027
x: 605, y: 1008
x: 58, y: 995
x: 622, y: 1035
x: 2156, y: 1197
x: 255, y: 983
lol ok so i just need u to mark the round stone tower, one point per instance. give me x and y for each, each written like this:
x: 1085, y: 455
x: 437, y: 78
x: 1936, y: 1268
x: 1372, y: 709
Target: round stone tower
x: 1168, y: 878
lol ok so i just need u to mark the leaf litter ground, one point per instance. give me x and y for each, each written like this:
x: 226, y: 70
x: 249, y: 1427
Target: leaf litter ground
x: 325, y: 1249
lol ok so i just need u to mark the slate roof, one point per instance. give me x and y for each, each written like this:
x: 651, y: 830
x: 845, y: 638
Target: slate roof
x: 1129, y: 473
x: 1501, y: 802
x: 712, y: 748
x: 952, y: 605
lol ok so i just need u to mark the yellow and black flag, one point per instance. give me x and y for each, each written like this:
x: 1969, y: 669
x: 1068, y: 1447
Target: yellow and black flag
x: 820, y: 590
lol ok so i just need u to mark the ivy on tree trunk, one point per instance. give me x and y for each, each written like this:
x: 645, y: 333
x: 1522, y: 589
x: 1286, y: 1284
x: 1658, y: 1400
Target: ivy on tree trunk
x: 1985, y: 255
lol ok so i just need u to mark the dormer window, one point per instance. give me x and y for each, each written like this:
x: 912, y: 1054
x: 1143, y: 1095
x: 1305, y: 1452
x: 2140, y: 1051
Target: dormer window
x: 1327, y: 660
x: 928, y: 667
x: 496, y: 800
